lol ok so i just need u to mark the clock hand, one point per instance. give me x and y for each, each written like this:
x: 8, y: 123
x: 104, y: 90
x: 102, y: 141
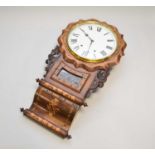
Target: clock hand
x: 90, y: 44
x: 86, y: 34
x: 85, y: 53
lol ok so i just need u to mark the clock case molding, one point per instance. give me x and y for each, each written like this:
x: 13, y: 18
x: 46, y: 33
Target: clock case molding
x: 57, y: 99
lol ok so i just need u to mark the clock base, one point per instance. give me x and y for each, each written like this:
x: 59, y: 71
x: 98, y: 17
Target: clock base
x: 51, y: 110
x: 57, y: 99
x: 51, y: 124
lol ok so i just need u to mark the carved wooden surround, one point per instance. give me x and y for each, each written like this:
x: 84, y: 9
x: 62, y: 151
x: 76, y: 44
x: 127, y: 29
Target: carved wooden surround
x: 55, y: 102
x: 111, y: 61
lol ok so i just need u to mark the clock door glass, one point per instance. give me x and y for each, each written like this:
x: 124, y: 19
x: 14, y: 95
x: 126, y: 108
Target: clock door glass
x: 69, y: 77
x: 92, y: 42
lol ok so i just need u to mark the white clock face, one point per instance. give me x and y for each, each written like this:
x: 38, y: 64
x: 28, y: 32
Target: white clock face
x: 92, y: 41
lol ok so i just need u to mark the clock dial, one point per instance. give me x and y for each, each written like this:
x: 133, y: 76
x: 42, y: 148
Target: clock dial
x: 92, y: 42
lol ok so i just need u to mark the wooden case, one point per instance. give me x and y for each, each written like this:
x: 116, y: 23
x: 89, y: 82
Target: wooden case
x: 67, y: 83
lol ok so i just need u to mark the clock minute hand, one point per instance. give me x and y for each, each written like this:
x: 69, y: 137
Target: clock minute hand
x: 86, y: 52
x: 90, y: 44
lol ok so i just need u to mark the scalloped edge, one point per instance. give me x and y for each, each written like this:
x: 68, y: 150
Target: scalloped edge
x: 91, y: 66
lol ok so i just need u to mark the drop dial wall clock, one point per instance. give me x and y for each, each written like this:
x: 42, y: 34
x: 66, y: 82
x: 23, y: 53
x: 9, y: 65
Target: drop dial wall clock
x: 87, y: 51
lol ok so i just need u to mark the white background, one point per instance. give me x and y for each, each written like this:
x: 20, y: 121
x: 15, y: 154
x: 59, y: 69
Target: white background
x: 119, y: 115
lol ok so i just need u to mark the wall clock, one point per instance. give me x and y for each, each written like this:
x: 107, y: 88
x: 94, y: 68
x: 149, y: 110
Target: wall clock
x: 87, y: 51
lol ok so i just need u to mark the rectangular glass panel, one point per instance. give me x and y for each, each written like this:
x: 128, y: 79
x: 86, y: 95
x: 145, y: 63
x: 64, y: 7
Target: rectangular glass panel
x: 69, y: 77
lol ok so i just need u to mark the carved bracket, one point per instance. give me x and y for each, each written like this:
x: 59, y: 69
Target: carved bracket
x: 99, y: 81
x: 52, y: 57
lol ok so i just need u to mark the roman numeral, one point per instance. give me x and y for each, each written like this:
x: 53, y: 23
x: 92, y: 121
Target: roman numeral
x: 103, y: 53
x: 99, y: 29
x: 110, y: 40
x: 73, y: 41
x: 76, y: 48
x: 90, y: 27
x: 75, y: 34
x: 109, y: 47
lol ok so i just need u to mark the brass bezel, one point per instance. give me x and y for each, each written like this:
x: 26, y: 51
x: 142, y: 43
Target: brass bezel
x: 91, y: 22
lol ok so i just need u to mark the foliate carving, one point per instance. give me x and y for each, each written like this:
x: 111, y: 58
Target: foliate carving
x: 99, y: 81
x: 52, y: 57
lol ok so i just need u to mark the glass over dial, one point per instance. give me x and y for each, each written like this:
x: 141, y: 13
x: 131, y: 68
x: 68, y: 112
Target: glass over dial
x: 92, y: 42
